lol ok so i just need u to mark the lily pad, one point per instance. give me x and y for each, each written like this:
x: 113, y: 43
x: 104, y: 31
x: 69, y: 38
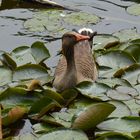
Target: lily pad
x: 121, y: 110
x: 134, y: 50
x: 29, y: 71
x: 35, y: 54
x: 104, y: 41
x: 122, y: 93
x: 134, y: 9
x: 132, y: 74
x: 121, y: 59
x: 92, y: 116
x: 81, y: 18
x: 126, y: 124
x: 113, y: 136
x: 127, y: 34
x: 5, y: 76
x: 93, y: 90
x: 65, y: 134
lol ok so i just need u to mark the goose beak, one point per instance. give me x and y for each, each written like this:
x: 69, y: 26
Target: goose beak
x: 80, y: 37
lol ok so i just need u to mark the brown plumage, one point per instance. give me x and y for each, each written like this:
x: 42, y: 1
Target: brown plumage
x: 76, y: 64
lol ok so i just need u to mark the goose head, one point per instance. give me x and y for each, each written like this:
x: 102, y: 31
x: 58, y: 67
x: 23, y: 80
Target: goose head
x: 69, y: 40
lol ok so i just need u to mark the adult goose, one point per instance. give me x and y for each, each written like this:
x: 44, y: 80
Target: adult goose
x: 77, y: 63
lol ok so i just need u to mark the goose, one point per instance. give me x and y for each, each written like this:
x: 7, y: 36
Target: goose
x: 76, y: 63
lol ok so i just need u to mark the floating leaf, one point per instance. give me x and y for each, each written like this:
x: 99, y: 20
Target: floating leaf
x: 65, y: 134
x: 132, y: 74
x: 12, y: 97
x: 81, y: 18
x: 93, y: 90
x: 42, y: 106
x: 121, y: 59
x: 39, y: 52
x: 113, y: 136
x: 92, y: 116
x: 134, y: 9
x: 121, y: 110
x: 29, y: 71
x: 5, y: 76
x: 127, y: 34
x: 14, y: 114
x: 122, y: 93
x: 134, y: 50
x: 126, y: 124
x: 105, y: 41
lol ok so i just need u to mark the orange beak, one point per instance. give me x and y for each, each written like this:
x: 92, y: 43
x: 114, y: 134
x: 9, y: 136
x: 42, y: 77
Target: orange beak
x: 81, y: 37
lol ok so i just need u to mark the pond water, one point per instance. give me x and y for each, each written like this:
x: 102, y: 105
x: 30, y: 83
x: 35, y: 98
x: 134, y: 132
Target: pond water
x: 14, y: 13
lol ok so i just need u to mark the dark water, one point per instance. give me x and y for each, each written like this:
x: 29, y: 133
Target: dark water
x: 13, y: 14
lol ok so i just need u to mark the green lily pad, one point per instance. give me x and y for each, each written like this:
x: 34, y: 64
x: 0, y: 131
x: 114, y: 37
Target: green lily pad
x: 35, y: 54
x: 126, y: 124
x: 113, y: 136
x: 122, y: 93
x: 14, y: 115
x: 92, y: 116
x: 42, y: 106
x: 66, y: 134
x: 12, y: 97
x: 132, y: 74
x: 39, y: 52
x: 115, y: 59
x: 127, y: 34
x: 104, y: 41
x: 134, y: 50
x: 5, y: 76
x: 134, y: 9
x: 93, y: 90
x: 29, y: 71
x: 81, y: 18
x: 121, y: 110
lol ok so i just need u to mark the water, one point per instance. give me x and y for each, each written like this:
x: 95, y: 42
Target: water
x: 13, y: 14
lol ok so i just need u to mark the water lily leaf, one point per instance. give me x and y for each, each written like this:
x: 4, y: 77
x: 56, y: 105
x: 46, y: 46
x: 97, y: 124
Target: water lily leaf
x: 134, y: 107
x: 69, y: 95
x: 134, y: 9
x: 35, y: 54
x: 134, y: 50
x: 22, y: 55
x: 14, y: 114
x: 132, y: 74
x: 39, y: 52
x: 113, y: 136
x: 93, y: 90
x: 27, y: 136
x: 40, y: 128
x: 81, y: 18
x: 5, y: 76
x: 126, y: 124
x: 42, y: 106
x: 105, y: 41
x: 65, y: 134
x: 64, y: 118
x: 49, y: 20
x: 121, y: 59
x: 92, y: 116
x: 122, y: 93
x: 113, y: 82
x: 54, y: 95
x: 9, y: 61
x: 121, y: 110
x: 127, y: 34
x: 29, y: 71
x: 12, y: 97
